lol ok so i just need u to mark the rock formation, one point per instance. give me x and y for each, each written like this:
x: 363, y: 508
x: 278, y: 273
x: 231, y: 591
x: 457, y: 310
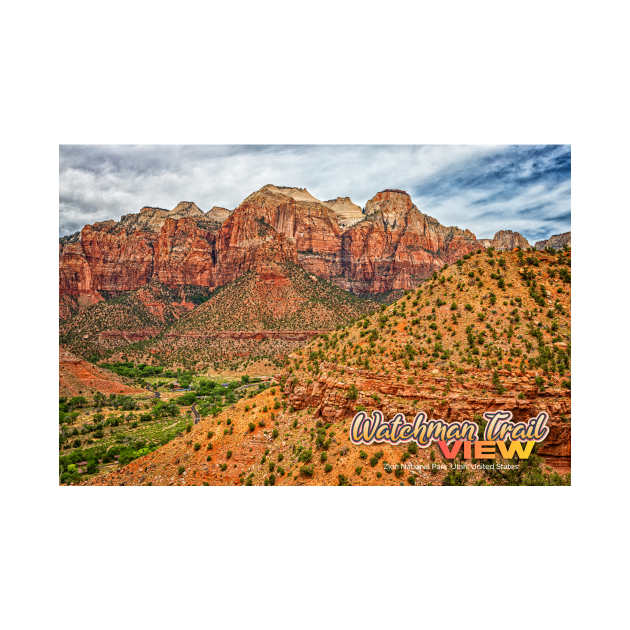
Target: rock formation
x: 218, y: 214
x: 505, y: 240
x: 348, y: 213
x: 394, y: 246
x: 557, y: 241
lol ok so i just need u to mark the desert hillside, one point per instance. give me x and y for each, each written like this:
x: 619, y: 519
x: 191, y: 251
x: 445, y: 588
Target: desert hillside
x: 264, y: 314
x: 110, y: 324
x: 489, y: 332
x: 80, y: 378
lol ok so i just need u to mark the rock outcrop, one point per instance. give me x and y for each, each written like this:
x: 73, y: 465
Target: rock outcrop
x: 557, y: 241
x: 348, y: 213
x: 506, y: 240
x: 396, y: 246
x: 393, y: 246
x: 218, y: 214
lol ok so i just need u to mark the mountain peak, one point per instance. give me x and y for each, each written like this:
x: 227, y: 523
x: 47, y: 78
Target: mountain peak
x: 150, y: 210
x: 186, y: 209
x: 218, y: 214
x: 297, y: 194
x: 390, y: 205
x: 557, y: 241
x: 348, y: 213
x: 506, y: 240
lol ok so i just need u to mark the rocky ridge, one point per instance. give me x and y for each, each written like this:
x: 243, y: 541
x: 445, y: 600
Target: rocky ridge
x: 505, y: 240
x: 557, y: 241
x: 265, y: 313
x: 348, y: 213
x: 392, y: 247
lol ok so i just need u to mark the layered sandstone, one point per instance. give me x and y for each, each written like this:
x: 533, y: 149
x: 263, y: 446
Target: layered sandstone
x: 393, y: 247
x: 557, y: 241
x: 297, y: 194
x: 218, y: 214
x: 396, y: 245
x: 328, y: 395
x: 506, y: 240
x: 348, y: 213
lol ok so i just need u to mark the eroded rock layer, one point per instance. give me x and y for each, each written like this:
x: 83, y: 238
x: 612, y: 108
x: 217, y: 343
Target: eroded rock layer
x: 505, y: 240
x: 391, y: 245
x: 557, y: 241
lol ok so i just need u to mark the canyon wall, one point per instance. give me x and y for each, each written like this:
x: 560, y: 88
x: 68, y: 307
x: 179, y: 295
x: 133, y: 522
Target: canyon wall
x: 390, y: 245
x: 506, y: 240
x: 557, y: 241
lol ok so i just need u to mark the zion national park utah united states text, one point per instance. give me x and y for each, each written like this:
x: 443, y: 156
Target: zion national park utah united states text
x: 295, y: 340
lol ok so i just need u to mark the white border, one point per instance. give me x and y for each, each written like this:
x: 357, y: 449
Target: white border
x: 483, y: 72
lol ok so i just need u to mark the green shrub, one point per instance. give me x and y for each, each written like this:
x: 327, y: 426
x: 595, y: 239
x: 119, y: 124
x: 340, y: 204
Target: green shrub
x: 343, y: 480
x: 353, y: 392
x: 306, y: 471
x: 305, y: 456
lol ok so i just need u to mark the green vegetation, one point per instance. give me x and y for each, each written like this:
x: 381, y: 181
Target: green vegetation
x: 529, y: 472
x: 125, y: 312
x: 98, y: 434
x: 131, y: 370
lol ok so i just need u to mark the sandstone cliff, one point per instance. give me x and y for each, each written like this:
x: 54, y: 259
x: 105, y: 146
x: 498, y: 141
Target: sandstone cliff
x: 396, y: 246
x: 557, y: 241
x: 348, y: 213
x: 218, y: 214
x: 392, y: 247
x: 505, y: 240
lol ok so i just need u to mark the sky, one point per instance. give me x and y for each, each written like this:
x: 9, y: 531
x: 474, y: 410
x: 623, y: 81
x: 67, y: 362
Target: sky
x: 526, y: 188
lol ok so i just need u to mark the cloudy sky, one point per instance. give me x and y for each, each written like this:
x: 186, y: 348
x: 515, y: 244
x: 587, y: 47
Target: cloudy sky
x: 526, y: 188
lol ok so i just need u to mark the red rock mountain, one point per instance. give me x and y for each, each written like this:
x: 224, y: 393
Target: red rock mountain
x: 348, y: 213
x: 393, y: 247
x: 557, y: 241
x: 218, y: 214
x: 505, y: 240
x: 396, y: 246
